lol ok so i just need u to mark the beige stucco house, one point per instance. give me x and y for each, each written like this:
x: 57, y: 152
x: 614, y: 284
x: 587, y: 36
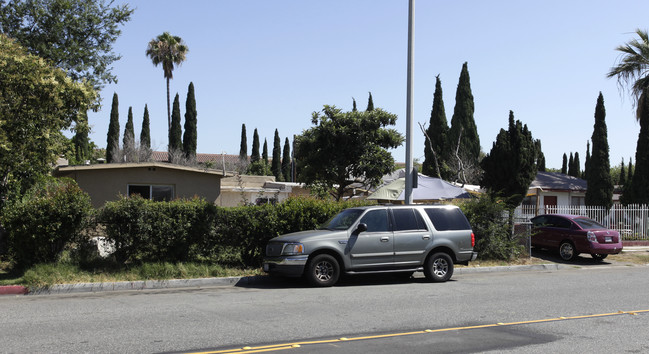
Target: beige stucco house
x: 552, y: 189
x: 243, y: 189
x: 153, y: 180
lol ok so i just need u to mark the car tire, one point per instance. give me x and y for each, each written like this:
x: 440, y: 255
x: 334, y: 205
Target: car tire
x: 323, y: 270
x: 598, y: 256
x: 567, y: 251
x: 439, y: 267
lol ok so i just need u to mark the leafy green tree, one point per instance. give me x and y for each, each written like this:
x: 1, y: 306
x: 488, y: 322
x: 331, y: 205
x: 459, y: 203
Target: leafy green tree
x: 571, y: 165
x: 112, y: 138
x: 322, y: 162
x: 370, y: 104
x: 577, y: 166
x: 170, y: 51
x: 463, y: 127
x: 564, y: 166
x: 243, y: 147
x: 600, y: 184
x: 74, y: 35
x: 175, y: 134
x: 254, y: 157
x: 145, y: 133
x: 259, y: 168
x: 286, y: 161
x: 37, y: 101
x: 436, y: 149
x: 510, y: 166
x: 276, y: 164
x: 191, y: 135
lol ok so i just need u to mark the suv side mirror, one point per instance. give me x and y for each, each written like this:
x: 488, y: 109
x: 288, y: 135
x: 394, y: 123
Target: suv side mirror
x: 362, y: 227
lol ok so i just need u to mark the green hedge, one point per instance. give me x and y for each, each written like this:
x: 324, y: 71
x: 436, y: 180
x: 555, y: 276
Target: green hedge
x: 195, y: 230
x: 47, y: 219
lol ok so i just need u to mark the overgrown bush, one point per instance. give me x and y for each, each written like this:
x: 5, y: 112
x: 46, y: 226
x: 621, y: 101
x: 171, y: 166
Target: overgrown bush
x: 493, y: 233
x: 148, y: 231
x: 195, y: 230
x: 49, y: 217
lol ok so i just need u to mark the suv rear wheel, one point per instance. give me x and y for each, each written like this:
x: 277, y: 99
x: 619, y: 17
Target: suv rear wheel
x: 323, y: 270
x: 439, y: 267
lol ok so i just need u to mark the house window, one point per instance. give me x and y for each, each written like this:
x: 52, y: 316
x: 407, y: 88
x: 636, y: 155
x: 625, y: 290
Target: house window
x: 578, y: 201
x: 156, y: 192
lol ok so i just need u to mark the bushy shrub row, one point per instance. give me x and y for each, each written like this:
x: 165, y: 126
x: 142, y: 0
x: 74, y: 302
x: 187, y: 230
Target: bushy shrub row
x: 195, y: 230
x: 49, y: 217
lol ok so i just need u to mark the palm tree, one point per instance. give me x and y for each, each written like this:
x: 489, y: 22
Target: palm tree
x: 633, y: 68
x: 167, y: 50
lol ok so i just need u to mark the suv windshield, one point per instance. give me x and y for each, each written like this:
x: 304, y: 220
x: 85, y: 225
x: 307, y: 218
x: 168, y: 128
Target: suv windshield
x: 343, y: 220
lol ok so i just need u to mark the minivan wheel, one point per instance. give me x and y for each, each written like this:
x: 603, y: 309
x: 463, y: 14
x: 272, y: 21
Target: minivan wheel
x: 439, y: 267
x: 323, y: 270
x: 567, y: 251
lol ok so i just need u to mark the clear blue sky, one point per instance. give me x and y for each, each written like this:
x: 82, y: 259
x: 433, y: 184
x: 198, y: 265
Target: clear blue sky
x: 270, y: 64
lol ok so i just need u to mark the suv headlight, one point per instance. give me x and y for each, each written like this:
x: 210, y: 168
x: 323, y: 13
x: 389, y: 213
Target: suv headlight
x: 292, y: 249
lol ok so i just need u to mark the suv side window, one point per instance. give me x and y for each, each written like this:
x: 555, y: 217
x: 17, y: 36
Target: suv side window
x: 448, y: 219
x: 407, y: 219
x: 376, y: 220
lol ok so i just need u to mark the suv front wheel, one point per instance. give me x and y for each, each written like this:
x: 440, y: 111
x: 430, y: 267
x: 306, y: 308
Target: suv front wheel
x: 323, y: 270
x: 439, y: 267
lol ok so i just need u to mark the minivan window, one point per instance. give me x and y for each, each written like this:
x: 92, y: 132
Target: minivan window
x: 407, y: 219
x: 448, y: 219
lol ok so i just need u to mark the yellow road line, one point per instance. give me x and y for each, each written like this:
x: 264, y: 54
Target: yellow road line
x: 284, y: 346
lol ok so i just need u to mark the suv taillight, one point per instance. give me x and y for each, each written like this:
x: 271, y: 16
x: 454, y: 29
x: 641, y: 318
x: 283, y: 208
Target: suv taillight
x: 472, y: 239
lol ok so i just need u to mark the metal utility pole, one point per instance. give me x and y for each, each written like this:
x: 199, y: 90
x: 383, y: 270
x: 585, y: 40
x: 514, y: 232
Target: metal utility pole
x: 409, y: 169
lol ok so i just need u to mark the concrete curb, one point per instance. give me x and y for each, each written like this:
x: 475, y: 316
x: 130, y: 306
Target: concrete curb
x: 518, y: 268
x: 13, y: 290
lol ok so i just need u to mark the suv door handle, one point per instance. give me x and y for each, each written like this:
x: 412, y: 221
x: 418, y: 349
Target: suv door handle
x: 385, y: 239
x: 425, y: 237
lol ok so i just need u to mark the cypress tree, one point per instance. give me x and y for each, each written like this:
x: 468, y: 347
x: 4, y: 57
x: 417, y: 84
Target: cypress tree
x: 370, y: 104
x: 600, y: 184
x: 435, y: 159
x: 112, y: 140
x: 276, y: 165
x: 540, y: 157
x: 175, y: 134
x: 191, y: 135
x: 577, y: 165
x: 463, y: 123
x: 564, y: 166
x: 286, y: 161
x: 243, y: 148
x: 145, y: 133
x: 264, y: 153
x: 640, y: 181
x: 622, y: 180
x: 587, y: 163
x: 354, y: 109
x: 254, y: 157
x: 571, y: 166
x: 129, y: 131
x: 81, y: 141
x: 510, y: 166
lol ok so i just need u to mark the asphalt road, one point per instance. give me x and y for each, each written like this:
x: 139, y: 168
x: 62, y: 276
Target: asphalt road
x: 569, y: 310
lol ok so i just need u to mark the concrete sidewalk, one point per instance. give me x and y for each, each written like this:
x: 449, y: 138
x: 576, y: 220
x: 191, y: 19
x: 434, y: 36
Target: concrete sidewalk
x: 247, y: 281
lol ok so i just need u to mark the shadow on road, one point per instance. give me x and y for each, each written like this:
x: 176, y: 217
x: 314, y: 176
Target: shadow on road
x: 583, y: 259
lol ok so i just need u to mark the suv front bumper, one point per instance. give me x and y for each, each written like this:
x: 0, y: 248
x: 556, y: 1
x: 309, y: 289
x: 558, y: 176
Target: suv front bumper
x: 290, y: 266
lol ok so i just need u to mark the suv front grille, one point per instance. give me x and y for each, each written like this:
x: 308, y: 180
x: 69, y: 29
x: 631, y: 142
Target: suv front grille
x: 274, y: 249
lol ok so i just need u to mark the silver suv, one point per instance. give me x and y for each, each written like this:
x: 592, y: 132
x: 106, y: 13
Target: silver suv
x: 376, y: 239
